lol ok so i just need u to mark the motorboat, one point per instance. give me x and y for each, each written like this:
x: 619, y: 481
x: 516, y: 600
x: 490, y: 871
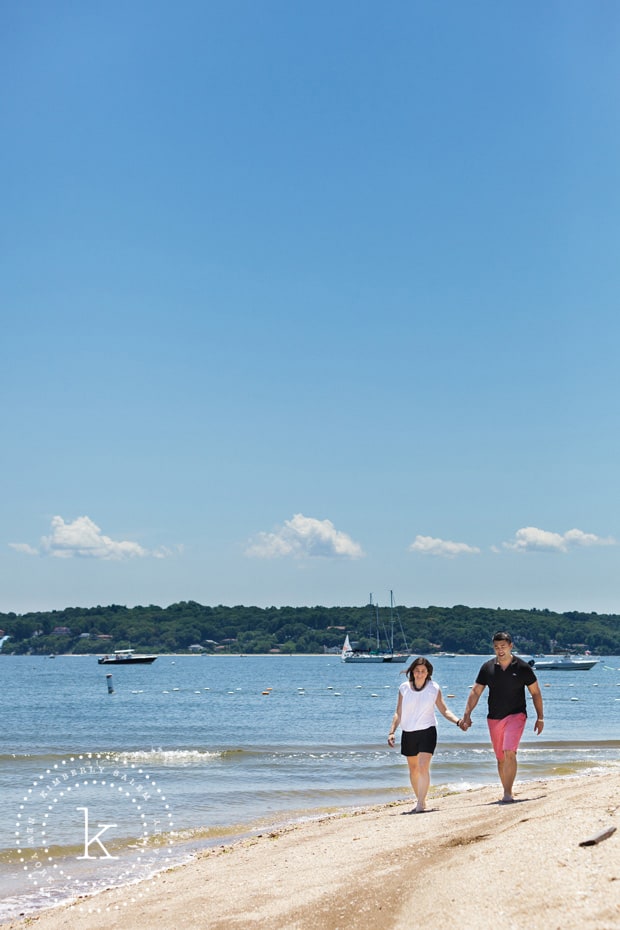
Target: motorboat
x: 567, y: 663
x: 126, y: 657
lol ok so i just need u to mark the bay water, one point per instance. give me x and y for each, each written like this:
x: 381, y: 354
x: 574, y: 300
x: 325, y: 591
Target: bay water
x: 106, y: 780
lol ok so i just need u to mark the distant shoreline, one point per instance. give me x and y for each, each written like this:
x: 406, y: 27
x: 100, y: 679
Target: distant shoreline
x: 256, y: 655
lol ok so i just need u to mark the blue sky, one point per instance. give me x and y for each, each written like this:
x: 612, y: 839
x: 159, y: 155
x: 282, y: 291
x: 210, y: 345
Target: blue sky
x: 303, y: 301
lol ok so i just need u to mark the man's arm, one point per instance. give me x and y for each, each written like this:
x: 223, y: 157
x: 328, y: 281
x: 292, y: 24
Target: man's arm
x: 472, y: 700
x: 537, y: 701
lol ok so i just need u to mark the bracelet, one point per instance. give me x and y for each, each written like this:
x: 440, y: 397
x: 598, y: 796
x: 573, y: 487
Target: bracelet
x: 540, y: 720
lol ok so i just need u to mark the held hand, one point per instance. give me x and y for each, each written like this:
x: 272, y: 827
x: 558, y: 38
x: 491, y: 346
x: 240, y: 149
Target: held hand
x: 465, y: 723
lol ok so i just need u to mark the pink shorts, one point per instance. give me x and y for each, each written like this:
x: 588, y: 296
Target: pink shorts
x: 506, y: 733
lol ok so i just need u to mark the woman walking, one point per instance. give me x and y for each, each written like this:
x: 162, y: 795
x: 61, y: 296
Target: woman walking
x: 415, y: 712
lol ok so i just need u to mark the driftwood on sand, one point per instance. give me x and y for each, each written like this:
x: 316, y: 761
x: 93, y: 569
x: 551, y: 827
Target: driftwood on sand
x: 599, y: 837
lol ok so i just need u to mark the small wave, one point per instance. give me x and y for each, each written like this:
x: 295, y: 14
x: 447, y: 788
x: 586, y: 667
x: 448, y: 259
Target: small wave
x: 166, y: 757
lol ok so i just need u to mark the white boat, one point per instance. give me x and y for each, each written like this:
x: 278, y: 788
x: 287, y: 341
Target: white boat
x: 362, y: 658
x: 563, y: 663
x: 353, y: 656
x: 126, y: 657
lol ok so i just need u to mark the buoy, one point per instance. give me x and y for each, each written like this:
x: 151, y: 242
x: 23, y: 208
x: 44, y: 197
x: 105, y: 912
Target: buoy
x: 451, y: 695
x: 110, y: 685
x: 266, y: 692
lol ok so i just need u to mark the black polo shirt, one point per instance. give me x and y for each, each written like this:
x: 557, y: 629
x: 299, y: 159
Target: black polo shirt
x: 506, y: 686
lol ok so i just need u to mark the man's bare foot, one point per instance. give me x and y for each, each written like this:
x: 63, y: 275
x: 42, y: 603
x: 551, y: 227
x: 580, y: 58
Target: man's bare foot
x: 507, y: 799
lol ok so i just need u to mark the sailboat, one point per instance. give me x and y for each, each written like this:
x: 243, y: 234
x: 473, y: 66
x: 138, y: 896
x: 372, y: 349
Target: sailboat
x: 353, y: 656
x: 350, y: 655
x: 397, y: 656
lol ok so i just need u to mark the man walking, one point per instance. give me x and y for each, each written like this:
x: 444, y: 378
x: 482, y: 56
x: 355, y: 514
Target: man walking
x: 506, y: 677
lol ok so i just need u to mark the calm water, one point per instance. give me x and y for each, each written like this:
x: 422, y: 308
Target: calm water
x: 102, y: 788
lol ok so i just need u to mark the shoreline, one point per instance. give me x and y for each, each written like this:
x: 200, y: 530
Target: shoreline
x: 372, y: 867
x: 272, y: 655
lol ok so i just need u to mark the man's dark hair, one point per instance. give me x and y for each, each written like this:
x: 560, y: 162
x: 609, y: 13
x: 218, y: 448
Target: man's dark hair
x: 502, y: 637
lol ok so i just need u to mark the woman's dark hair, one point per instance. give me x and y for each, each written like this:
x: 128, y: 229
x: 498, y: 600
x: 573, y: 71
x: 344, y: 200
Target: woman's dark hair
x: 419, y: 661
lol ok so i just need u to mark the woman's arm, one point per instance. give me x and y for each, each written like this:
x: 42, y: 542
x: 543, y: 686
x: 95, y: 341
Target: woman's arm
x: 395, y: 720
x: 440, y: 704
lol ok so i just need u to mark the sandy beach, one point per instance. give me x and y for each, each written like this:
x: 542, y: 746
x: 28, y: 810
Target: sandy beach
x: 468, y: 860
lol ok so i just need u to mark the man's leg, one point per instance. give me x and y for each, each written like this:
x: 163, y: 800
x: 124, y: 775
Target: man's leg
x: 505, y: 736
x: 507, y: 768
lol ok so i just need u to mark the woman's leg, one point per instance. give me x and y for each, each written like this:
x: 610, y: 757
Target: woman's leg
x: 412, y: 761
x: 423, y: 779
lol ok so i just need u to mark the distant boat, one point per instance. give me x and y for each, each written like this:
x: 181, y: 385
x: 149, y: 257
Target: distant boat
x: 563, y: 663
x: 362, y: 658
x: 371, y: 657
x: 401, y: 656
x: 126, y: 657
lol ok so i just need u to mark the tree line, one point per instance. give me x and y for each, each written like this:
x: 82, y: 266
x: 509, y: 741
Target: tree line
x: 187, y: 624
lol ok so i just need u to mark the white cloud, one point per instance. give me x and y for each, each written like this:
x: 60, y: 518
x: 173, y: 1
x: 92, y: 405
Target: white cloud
x: 428, y: 545
x: 302, y: 537
x: 25, y: 548
x: 531, y: 538
x: 83, y: 539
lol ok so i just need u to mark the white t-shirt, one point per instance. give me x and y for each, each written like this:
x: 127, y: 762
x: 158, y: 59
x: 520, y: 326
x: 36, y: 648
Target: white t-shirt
x: 418, y: 707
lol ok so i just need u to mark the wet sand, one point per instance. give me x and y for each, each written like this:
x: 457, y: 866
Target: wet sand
x: 467, y: 862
